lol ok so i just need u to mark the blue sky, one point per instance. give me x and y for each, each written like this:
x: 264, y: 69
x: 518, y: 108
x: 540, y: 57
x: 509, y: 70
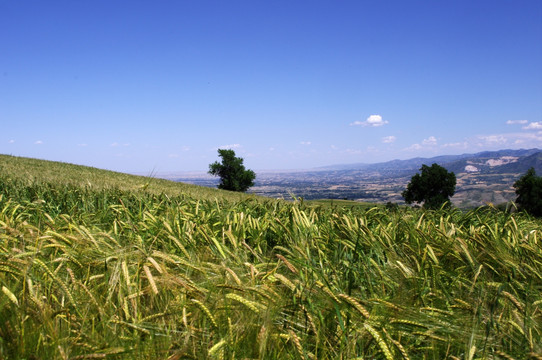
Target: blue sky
x: 141, y: 86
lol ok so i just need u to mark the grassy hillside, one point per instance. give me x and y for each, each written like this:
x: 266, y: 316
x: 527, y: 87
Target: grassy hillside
x: 33, y: 171
x: 122, y: 270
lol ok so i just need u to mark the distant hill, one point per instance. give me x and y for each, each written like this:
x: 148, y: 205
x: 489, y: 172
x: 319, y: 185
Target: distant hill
x: 485, y: 177
x: 524, y: 164
x: 483, y: 162
x: 498, y: 162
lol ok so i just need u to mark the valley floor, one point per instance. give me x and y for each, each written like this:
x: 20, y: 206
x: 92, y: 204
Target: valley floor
x: 472, y: 190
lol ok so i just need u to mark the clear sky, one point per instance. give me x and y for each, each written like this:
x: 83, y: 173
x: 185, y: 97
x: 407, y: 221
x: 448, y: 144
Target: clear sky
x: 143, y: 86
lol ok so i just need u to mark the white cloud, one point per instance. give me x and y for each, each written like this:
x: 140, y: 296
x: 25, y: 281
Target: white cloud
x: 512, y: 140
x: 376, y: 120
x: 333, y: 147
x: 414, y: 147
x: 173, y: 156
x: 515, y: 122
x: 389, y: 139
x: 373, y: 121
x: 427, y: 144
x: 537, y: 125
x: 353, y: 151
x: 82, y: 145
x: 305, y: 143
x: 458, y: 145
x: 493, y: 139
x: 39, y: 142
x: 431, y: 141
x: 114, y: 144
x: 11, y: 141
x: 230, y: 146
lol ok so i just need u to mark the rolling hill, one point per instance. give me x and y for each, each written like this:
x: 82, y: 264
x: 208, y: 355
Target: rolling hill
x: 485, y: 177
x: 35, y: 171
x: 487, y: 161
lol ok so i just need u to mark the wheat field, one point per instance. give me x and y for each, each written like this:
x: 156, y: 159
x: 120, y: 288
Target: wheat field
x: 92, y: 267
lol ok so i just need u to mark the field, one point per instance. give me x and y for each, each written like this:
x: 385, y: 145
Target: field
x: 101, y: 265
x: 472, y: 190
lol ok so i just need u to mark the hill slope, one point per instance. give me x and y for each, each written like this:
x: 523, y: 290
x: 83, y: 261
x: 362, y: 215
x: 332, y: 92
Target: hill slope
x: 31, y: 171
x: 456, y: 163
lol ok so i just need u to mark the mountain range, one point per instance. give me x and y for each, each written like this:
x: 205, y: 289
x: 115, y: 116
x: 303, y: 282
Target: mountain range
x: 484, y: 162
x: 484, y: 177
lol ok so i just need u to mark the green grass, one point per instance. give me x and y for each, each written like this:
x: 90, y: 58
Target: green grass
x: 117, y: 270
x: 32, y: 171
x: 338, y: 203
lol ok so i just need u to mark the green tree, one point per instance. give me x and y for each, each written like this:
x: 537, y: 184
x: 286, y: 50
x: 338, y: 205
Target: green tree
x: 232, y: 172
x: 529, y: 193
x: 434, y: 187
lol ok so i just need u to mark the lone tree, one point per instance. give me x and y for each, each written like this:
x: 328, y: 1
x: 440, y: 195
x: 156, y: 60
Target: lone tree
x: 529, y: 192
x: 434, y: 187
x: 232, y: 172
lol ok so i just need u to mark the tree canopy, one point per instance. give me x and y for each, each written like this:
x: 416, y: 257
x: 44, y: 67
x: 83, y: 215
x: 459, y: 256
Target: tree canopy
x: 232, y: 172
x: 433, y: 186
x: 529, y: 193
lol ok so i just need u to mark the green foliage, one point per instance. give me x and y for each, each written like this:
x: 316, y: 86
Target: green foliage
x: 434, y: 187
x: 392, y: 206
x: 529, y: 193
x: 232, y: 172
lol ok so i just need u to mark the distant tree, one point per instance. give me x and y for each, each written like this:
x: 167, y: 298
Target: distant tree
x: 390, y: 206
x: 529, y: 193
x: 232, y: 172
x: 434, y: 187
